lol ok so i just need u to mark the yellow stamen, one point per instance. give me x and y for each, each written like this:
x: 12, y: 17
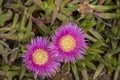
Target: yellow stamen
x: 40, y: 57
x: 67, y: 43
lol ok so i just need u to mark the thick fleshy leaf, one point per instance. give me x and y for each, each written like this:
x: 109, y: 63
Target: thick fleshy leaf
x: 107, y: 15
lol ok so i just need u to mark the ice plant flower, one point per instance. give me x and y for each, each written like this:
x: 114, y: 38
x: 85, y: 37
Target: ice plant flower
x: 39, y: 58
x: 69, y: 43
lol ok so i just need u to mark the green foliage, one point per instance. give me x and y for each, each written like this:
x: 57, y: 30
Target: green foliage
x: 5, y: 17
x: 21, y: 20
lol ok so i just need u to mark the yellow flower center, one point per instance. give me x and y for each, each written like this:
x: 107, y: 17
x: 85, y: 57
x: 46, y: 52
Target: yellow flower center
x: 67, y: 43
x: 40, y: 57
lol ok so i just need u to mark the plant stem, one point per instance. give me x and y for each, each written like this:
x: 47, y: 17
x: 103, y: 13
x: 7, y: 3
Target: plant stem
x: 85, y: 75
x: 116, y: 73
x: 74, y: 69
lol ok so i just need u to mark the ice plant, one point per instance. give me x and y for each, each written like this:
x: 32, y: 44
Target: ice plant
x: 69, y: 43
x: 39, y: 59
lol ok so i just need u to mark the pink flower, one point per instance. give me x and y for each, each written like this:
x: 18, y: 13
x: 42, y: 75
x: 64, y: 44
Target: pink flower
x: 68, y: 42
x: 39, y: 59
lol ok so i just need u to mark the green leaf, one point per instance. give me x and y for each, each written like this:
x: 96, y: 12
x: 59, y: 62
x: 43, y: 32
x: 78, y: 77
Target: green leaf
x: 90, y: 64
x: 107, y: 2
x: 62, y: 5
x: 97, y: 57
x: 117, y: 50
x: 29, y: 30
x: 40, y: 4
x: 114, y: 30
x: 90, y: 56
x: 80, y: 67
x: 31, y: 10
x: 97, y: 44
x: 15, y: 25
x: 2, y: 49
x: 22, y: 72
x: 116, y: 74
x: 71, y: 8
x: 89, y: 17
x: 102, y: 8
x: 96, y: 34
x: 29, y: 2
x: 13, y: 67
x: 75, y: 71
x: 118, y: 26
x: 73, y: 2
x: 91, y: 38
x: 107, y: 15
x: 62, y: 17
x: 94, y: 2
x: 16, y: 6
x: 10, y: 74
x: 1, y: 2
x: 100, y: 26
x: 43, y: 29
x: 5, y: 67
x: 113, y: 61
x: 66, y: 66
x: 87, y: 24
x: 95, y: 51
x: 98, y: 71
x: 5, y: 17
x: 51, y: 5
x: 93, y: 56
x: 114, y: 43
x: 15, y: 20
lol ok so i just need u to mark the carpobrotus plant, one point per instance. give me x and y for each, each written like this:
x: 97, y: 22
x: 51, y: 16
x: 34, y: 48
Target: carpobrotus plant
x: 69, y: 43
x: 39, y: 59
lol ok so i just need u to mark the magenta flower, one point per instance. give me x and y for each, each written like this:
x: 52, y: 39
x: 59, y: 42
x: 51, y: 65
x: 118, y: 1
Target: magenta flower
x: 68, y: 42
x: 39, y: 59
